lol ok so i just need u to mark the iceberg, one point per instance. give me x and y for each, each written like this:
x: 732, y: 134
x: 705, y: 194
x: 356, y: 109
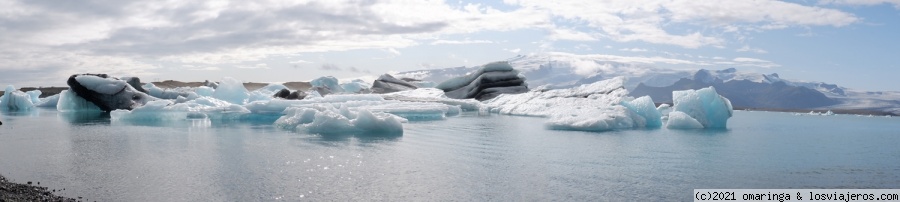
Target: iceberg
x: 703, y: 106
x: 167, y: 110
x: 16, y: 100
x: 489, y: 81
x: 48, y: 102
x: 356, y: 86
x: 328, y: 119
x: 680, y: 120
x: 107, y: 93
x: 599, y: 106
x: 326, y: 85
x: 70, y: 102
x: 388, y: 84
x: 170, y: 94
x: 231, y: 90
x: 433, y: 95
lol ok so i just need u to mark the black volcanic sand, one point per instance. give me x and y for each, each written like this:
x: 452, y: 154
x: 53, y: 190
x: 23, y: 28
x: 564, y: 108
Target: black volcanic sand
x: 10, y: 191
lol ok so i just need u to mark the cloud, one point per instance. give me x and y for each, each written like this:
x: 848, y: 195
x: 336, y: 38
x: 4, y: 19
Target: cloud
x: 753, y: 62
x: 515, y: 50
x: 627, y: 21
x: 747, y: 48
x: 467, y: 41
x: 633, y: 49
x: 200, y: 68
x: 300, y: 62
x: 896, y: 3
x: 132, y: 37
x: 330, y: 67
x: 257, y: 66
x: 570, y: 35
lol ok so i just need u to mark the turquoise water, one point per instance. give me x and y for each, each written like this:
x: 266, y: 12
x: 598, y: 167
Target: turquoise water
x: 466, y: 158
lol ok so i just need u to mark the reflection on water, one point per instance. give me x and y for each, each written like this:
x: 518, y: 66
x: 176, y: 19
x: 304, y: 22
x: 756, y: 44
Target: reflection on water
x: 85, y: 117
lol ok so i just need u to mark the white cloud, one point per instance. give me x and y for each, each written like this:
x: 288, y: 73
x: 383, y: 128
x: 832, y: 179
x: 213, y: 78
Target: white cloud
x: 633, y: 49
x: 753, y: 62
x: 131, y: 36
x: 645, y: 20
x: 515, y: 50
x: 257, y: 66
x: 747, y: 48
x: 300, y: 62
x: 467, y: 41
x: 570, y: 35
x: 896, y: 3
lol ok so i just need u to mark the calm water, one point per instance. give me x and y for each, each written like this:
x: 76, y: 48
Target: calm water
x: 466, y: 158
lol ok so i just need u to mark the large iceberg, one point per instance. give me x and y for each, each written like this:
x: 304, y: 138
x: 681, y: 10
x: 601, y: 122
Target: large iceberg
x: 599, y: 106
x: 704, y: 107
x: 106, y: 92
x: 487, y: 82
x: 167, y: 110
x: 328, y: 119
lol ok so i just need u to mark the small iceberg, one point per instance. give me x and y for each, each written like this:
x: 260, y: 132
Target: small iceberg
x: 702, y: 108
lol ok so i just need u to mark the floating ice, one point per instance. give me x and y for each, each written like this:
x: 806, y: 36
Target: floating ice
x: 388, y: 84
x: 705, y: 106
x: 433, y: 95
x: 266, y: 93
x: 680, y: 120
x: 328, y: 82
x: 101, y: 85
x: 356, y: 86
x: 167, y: 110
x: 48, y: 102
x: 370, y: 102
x: 15, y: 100
x: 646, y: 109
x: 231, y: 90
x: 328, y: 119
x: 69, y: 102
x: 591, y: 107
x: 491, y: 80
x: 171, y: 94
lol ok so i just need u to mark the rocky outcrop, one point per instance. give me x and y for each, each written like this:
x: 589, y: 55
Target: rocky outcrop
x: 487, y: 82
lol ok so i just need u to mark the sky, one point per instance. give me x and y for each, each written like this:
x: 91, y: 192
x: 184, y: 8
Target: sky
x: 852, y: 43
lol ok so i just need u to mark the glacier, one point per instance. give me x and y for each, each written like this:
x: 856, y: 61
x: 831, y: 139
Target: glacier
x: 703, y: 106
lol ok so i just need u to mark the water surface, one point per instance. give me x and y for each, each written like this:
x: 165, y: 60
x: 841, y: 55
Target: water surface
x: 467, y: 158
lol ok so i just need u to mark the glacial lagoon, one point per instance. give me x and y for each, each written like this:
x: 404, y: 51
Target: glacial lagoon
x: 469, y: 157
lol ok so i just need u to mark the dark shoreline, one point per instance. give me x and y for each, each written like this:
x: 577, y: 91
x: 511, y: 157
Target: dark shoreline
x: 11, y: 191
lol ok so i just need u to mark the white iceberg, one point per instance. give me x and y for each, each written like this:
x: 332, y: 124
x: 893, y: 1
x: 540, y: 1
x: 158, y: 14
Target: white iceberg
x: 231, y: 90
x: 592, y: 107
x: 70, y: 102
x: 704, y: 106
x: 167, y: 110
x: 328, y: 119
x: 327, y: 82
x: 15, y: 100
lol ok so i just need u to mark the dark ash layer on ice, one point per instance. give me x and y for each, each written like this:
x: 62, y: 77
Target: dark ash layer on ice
x: 488, y: 82
x: 108, y: 93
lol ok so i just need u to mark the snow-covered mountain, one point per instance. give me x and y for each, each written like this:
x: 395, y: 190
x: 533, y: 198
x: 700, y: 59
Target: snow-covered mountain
x: 561, y: 70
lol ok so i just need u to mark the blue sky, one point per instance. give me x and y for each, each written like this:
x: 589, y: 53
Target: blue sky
x: 852, y: 43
